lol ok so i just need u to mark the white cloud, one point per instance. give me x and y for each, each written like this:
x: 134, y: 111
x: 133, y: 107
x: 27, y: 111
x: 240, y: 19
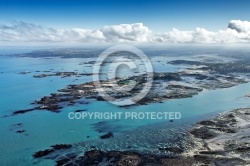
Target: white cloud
x: 127, y: 32
x: 237, y: 31
x: 239, y: 26
x: 174, y: 36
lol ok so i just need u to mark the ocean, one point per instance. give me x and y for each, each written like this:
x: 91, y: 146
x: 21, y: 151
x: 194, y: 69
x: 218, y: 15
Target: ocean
x: 44, y: 128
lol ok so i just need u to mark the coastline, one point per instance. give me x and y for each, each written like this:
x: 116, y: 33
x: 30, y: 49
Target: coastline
x: 166, y: 85
x: 222, y: 140
x: 180, y: 90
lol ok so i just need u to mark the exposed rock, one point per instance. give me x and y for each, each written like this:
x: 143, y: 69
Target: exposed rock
x: 225, y: 139
x: 61, y: 146
x: 43, y: 153
x: 24, y: 72
x: 126, y: 158
x: 62, y: 74
x: 62, y: 161
x: 20, y: 131
x: 203, y: 133
x: 107, y: 135
x: 83, y: 110
x: 54, y: 148
x: 207, y: 122
x: 23, y: 111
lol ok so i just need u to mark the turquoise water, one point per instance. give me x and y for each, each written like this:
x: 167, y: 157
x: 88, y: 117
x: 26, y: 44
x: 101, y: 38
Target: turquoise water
x: 44, y: 128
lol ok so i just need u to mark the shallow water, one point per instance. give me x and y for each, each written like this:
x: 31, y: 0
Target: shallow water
x: 44, y: 128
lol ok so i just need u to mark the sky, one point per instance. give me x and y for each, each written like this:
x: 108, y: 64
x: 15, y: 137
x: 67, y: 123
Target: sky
x: 154, y: 17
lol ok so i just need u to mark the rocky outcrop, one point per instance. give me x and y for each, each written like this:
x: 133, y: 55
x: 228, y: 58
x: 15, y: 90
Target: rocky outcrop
x: 165, y: 86
x: 125, y: 158
x: 46, y: 152
x: 107, y: 135
x: 224, y: 139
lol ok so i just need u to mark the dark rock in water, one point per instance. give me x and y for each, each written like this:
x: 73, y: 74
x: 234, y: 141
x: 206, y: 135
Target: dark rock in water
x: 99, y: 98
x: 61, y: 146
x: 22, y: 111
x: 203, y: 133
x: 81, y: 110
x: 54, y: 148
x: 24, y: 72
x: 20, y: 131
x: 17, y: 128
x: 93, y: 156
x: 124, y: 106
x: 43, y: 153
x: 65, y: 159
x: 17, y: 125
x: 101, y: 122
x: 171, y: 120
x: 108, y: 135
x: 50, y: 107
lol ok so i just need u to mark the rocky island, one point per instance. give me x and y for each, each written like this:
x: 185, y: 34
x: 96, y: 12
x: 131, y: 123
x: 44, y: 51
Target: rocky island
x: 197, y: 76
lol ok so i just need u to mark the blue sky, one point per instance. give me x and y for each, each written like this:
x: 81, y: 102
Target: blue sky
x: 158, y: 15
x: 119, y: 21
